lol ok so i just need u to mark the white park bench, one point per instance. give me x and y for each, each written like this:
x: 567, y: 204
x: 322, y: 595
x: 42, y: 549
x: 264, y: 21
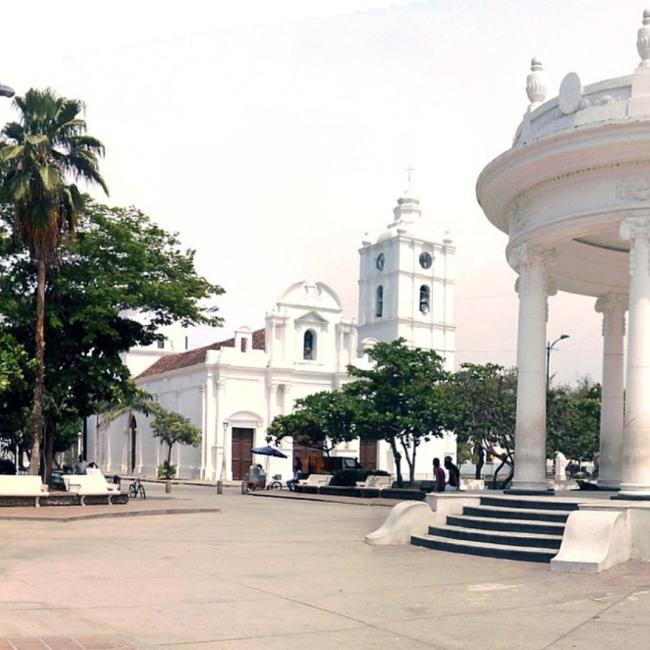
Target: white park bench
x: 317, y: 480
x: 86, y: 485
x: 377, y: 482
x: 22, y: 486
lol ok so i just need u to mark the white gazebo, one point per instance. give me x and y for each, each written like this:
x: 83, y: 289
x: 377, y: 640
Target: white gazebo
x: 573, y: 195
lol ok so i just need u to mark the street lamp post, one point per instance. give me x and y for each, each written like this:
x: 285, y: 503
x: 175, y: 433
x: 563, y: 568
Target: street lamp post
x: 549, y: 348
x: 222, y: 475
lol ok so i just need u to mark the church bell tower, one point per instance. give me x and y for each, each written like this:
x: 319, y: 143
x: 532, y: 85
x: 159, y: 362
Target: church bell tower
x: 406, y: 284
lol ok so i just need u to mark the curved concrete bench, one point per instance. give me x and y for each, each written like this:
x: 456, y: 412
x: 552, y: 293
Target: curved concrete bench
x: 405, y: 519
x: 593, y: 541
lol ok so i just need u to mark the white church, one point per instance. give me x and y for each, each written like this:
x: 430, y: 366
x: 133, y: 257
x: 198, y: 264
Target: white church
x: 232, y: 389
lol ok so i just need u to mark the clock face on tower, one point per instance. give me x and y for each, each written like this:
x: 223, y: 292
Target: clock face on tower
x: 380, y: 261
x: 425, y: 260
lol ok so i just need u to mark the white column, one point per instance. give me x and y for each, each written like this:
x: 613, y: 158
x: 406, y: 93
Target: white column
x: 221, y: 436
x: 531, y: 262
x: 273, y: 399
x: 612, y: 306
x: 210, y: 427
x: 636, y: 431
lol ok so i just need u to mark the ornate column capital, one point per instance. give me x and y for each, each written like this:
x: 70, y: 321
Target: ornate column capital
x: 528, y: 254
x: 611, y: 303
x: 531, y: 262
x: 635, y: 228
x: 613, y: 307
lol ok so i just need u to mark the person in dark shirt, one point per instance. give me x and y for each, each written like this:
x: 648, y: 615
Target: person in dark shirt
x: 454, y: 473
x: 480, y: 459
x: 438, y: 475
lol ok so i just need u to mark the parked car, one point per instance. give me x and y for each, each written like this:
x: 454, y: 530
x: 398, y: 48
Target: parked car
x: 337, y: 463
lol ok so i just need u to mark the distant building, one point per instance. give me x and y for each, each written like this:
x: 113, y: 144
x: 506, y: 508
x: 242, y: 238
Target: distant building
x: 233, y: 389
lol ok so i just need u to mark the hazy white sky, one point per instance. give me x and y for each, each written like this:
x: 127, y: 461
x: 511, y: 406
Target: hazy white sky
x: 273, y: 135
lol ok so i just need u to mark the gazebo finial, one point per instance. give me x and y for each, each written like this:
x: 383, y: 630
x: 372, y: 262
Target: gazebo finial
x: 643, y: 40
x: 535, y: 83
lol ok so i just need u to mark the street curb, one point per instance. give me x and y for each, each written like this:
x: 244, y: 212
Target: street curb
x: 361, y: 502
x: 112, y: 515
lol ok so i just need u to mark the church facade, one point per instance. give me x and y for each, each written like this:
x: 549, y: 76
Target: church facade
x: 232, y: 389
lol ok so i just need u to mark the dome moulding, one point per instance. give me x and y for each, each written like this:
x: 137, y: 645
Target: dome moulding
x: 579, y: 164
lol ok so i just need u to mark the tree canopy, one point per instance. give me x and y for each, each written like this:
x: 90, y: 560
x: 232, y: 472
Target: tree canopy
x: 320, y: 421
x: 574, y: 420
x: 12, y: 358
x: 115, y: 284
x: 399, y: 399
x: 479, y: 404
x: 173, y: 428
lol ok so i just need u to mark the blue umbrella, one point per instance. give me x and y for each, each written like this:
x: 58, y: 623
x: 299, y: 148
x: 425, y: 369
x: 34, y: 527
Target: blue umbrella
x: 268, y: 451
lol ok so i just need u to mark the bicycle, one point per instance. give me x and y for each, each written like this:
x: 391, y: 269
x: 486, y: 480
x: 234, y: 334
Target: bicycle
x: 136, y: 489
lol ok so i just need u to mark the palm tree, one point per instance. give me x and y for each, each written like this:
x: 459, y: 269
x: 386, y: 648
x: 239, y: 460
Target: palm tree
x: 40, y: 156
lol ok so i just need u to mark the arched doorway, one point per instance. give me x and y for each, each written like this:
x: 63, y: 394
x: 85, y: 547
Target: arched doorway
x: 133, y: 435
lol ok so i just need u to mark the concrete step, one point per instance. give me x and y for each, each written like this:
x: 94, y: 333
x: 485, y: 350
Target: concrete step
x: 511, y: 525
x: 517, y: 513
x: 525, y: 553
x: 529, y: 504
x: 497, y: 537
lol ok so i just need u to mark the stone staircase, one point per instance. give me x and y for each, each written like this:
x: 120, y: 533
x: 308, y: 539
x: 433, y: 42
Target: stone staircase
x: 509, y: 527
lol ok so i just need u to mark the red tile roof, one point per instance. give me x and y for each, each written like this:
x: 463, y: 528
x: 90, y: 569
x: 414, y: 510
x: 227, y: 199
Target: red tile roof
x: 198, y: 355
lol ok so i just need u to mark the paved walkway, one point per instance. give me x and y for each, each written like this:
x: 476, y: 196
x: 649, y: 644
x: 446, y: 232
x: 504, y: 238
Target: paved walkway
x: 267, y: 574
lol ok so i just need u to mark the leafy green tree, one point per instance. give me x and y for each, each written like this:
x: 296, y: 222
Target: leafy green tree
x: 480, y: 402
x: 173, y: 428
x: 39, y: 155
x: 320, y: 421
x: 399, y: 399
x: 12, y: 358
x: 118, y: 281
x: 574, y: 420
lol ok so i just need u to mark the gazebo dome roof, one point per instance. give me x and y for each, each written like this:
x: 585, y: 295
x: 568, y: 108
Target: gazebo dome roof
x: 577, y: 107
x: 579, y: 165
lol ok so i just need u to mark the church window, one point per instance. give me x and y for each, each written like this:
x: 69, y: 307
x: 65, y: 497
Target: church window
x: 309, y: 345
x: 161, y: 344
x: 379, y: 302
x: 243, y: 344
x: 425, y: 299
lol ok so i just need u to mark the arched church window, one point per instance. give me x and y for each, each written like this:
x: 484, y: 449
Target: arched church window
x: 309, y: 345
x: 425, y: 299
x: 379, y: 302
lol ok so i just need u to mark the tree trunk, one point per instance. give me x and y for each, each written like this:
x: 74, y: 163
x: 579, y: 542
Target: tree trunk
x: 410, y: 460
x: 39, y: 384
x: 504, y: 461
x: 510, y: 476
x: 398, y: 462
x: 169, y: 454
x: 49, y: 455
x: 496, y: 472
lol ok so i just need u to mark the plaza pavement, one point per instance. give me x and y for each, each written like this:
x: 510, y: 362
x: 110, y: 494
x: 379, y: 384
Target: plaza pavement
x: 265, y: 573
